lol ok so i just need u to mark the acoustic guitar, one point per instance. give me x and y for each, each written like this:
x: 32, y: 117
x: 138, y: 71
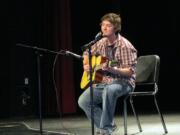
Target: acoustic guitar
x: 97, y: 74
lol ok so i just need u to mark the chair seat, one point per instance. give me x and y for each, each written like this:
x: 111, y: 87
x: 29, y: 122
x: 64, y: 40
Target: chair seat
x: 142, y: 93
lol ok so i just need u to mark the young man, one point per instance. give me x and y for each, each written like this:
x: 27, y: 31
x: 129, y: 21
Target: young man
x: 118, y: 76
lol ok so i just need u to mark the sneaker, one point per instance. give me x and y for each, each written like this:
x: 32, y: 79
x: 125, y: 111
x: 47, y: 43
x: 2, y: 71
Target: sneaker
x: 98, y: 132
x: 102, y: 132
x: 114, y: 127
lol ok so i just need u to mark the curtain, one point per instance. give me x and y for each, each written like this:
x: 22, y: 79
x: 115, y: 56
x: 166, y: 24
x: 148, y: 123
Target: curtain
x: 64, y: 68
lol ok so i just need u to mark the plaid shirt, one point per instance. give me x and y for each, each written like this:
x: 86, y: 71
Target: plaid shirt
x: 121, y: 51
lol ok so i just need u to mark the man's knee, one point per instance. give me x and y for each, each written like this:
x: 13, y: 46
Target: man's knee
x: 83, y: 102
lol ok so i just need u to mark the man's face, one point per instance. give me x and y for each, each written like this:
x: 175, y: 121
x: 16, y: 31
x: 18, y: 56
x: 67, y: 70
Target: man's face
x: 107, y: 28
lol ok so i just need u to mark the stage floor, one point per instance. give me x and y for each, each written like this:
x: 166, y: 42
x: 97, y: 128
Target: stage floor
x: 79, y: 125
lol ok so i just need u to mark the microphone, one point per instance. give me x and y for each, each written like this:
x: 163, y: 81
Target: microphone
x: 98, y: 36
x: 73, y: 54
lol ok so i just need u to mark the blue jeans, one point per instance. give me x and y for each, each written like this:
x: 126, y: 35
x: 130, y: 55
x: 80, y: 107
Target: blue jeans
x: 105, y: 95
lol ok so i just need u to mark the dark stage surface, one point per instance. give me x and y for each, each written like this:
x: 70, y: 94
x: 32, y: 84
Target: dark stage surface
x: 79, y: 125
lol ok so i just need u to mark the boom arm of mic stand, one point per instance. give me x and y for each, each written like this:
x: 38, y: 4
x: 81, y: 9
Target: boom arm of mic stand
x: 62, y: 52
x: 88, y: 45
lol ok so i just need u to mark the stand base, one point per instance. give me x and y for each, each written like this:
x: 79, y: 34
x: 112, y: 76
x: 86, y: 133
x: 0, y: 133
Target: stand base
x: 21, y: 128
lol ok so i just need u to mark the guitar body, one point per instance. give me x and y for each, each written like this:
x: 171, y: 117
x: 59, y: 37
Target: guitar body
x: 96, y: 61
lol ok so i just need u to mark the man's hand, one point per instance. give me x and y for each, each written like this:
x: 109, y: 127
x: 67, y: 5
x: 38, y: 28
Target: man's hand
x: 86, y: 63
x: 105, y: 66
x: 86, y: 67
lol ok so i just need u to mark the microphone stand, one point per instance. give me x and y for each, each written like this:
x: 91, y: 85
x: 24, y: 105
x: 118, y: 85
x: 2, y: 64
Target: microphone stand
x: 88, y: 46
x: 38, y: 56
x: 91, y: 90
